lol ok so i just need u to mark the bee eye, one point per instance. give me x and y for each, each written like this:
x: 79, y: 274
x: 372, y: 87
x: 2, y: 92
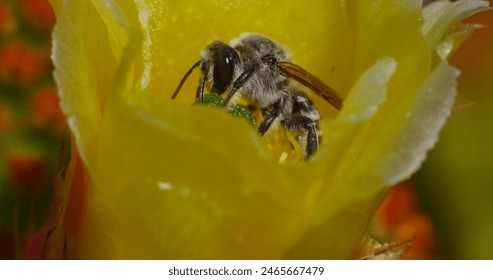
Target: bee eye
x: 224, y: 64
x: 269, y: 60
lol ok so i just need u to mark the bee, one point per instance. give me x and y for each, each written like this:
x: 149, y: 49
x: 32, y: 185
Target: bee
x: 259, y: 69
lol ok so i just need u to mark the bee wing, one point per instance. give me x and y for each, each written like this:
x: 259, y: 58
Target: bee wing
x: 294, y: 71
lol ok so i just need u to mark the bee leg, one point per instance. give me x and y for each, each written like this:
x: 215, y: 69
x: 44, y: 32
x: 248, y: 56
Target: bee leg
x: 238, y: 83
x: 270, y: 115
x: 312, y: 141
x: 267, y: 122
x: 306, y: 124
x: 200, y: 89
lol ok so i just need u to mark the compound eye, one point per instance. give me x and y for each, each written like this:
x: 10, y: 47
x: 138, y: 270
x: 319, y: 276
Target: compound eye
x: 225, y: 59
x: 269, y: 60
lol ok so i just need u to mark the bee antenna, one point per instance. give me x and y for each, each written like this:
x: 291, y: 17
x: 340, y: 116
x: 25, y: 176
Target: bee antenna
x: 184, y: 79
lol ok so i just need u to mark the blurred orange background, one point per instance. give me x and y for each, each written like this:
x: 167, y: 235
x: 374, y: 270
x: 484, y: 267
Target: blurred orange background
x: 31, y: 123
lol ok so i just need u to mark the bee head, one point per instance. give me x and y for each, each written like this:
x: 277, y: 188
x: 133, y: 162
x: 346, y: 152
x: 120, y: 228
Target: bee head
x: 222, y: 60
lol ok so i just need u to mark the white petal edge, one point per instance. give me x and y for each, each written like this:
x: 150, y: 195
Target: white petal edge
x: 441, y: 17
x: 368, y: 92
x: 426, y: 117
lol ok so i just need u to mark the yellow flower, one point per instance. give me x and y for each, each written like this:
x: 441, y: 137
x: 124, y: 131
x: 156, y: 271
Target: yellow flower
x: 169, y: 180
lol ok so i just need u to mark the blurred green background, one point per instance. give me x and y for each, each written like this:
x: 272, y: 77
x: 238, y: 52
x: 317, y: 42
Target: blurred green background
x: 447, y: 205
x: 455, y: 184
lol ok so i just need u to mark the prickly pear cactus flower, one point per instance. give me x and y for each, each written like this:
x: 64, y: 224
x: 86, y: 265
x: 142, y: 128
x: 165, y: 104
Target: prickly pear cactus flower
x: 155, y: 178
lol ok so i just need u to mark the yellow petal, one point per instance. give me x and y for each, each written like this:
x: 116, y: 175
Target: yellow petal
x: 174, y: 181
x: 83, y: 66
x: 345, y: 206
